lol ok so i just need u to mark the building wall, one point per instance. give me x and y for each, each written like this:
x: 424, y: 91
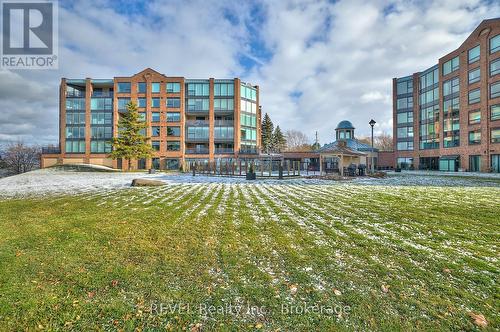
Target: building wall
x: 186, y: 119
x: 481, y: 36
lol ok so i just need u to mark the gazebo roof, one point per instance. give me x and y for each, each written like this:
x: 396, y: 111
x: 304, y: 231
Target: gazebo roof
x: 351, y: 143
x: 344, y: 125
x: 340, y: 149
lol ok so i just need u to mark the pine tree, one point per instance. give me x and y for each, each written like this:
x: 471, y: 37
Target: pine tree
x: 130, y: 143
x: 267, y: 134
x: 279, y: 140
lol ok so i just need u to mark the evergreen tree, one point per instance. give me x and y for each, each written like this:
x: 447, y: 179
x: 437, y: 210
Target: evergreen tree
x: 130, y: 143
x: 279, y: 140
x: 267, y: 134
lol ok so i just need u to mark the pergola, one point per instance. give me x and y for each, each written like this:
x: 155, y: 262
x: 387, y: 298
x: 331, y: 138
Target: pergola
x: 345, y: 155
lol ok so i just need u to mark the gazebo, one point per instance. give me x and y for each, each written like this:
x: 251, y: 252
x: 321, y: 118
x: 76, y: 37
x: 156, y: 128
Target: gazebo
x: 343, y: 154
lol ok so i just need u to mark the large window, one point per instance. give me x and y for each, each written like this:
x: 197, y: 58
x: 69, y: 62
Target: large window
x: 474, y: 137
x: 495, y: 112
x: 451, y: 65
x: 101, y: 132
x: 141, y: 102
x: 495, y: 90
x: 248, y: 134
x: 200, y: 133
x: 100, y: 147
x: 474, y: 54
x: 451, y: 86
x: 173, y: 117
x: 223, y: 132
x: 405, y: 102
x: 155, y: 131
x: 248, y: 120
x: 124, y: 87
x: 201, y: 104
x: 495, y: 44
x: 75, y: 118
x: 248, y: 106
x: 223, y: 89
x: 174, y: 131
x: 451, y: 106
x: 495, y: 135
x: 405, y: 146
x: 101, y: 104
x: 248, y: 93
x: 474, y: 96
x: 75, y: 146
x: 173, y: 146
x: 101, y: 118
x: 475, y: 117
x: 172, y: 163
x: 173, y: 87
x: 198, y: 89
x: 405, y: 163
x: 155, y: 87
x: 429, y: 78
x: 495, y: 67
x: 405, y: 132
x: 75, y: 104
x: 122, y: 103
x: 173, y: 102
x: 155, y: 102
x: 155, y: 116
x: 223, y: 104
x: 404, y: 87
x: 405, y: 117
x: 141, y: 87
x: 155, y: 145
x: 75, y: 132
x: 495, y: 163
x: 474, y: 75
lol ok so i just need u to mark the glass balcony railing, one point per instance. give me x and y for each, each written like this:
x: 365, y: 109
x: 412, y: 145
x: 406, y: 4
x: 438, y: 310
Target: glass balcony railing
x: 198, y: 150
x: 224, y: 150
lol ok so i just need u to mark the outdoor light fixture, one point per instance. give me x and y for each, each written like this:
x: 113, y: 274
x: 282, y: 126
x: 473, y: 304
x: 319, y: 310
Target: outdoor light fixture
x: 372, y: 123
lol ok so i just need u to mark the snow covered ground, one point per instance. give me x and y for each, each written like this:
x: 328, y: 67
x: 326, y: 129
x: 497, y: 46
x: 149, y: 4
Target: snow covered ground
x: 52, y: 181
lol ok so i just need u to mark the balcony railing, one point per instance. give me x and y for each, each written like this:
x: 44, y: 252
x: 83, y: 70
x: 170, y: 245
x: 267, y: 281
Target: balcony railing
x: 223, y: 123
x: 196, y: 111
x: 197, y: 123
x: 75, y: 94
x: 249, y: 151
x: 197, y: 151
x: 108, y: 94
x: 190, y: 138
x: 224, y: 138
x: 224, y: 151
x: 51, y: 150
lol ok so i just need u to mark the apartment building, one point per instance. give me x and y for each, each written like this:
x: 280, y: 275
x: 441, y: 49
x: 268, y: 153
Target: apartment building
x: 187, y: 119
x: 447, y: 117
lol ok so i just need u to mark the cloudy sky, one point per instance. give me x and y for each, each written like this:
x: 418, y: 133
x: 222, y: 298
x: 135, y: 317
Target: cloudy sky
x: 316, y: 62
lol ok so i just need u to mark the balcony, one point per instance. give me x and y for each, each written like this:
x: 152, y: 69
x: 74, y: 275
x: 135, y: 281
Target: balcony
x: 199, y: 150
x: 75, y: 94
x: 224, y: 150
x: 196, y: 111
x: 196, y: 123
x: 100, y: 94
x: 223, y: 123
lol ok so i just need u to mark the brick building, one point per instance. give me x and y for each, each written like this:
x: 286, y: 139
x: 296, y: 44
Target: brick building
x: 188, y: 119
x: 448, y: 116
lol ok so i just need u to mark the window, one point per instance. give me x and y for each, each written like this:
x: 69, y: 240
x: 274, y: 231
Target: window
x: 223, y: 132
x: 155, y: 131
x: 142, y: 116
x: 122, y: 103
x: 174, y: 102
x: 101, y: 132
x: 155, y: 162
x: 405, y: 163
x: 124, y: 87
x: 451, y: 106
x: 495, y: 90
x: 198, y: 89
x: 100, y: 147
x: 141, y: 102
x: 474, y: 163
x: 404, y: 87
x: 495, y: 44
x: 495, y: 112
x: 495, y: 163
x: 101, y: 104
x: 405, y: 117
x: 174, y: 131
x: 155, y: 116
x: 475, y: 117
x: 495, y: 135
x: 248, y: 120
x: 429, y: 78
x: 223, y: 104
x: 101, y: 118
x: 248, y: 92
x: 474, y: 137
x: 474, y: 54
x: 474, y: 96
x: 173, y: 146
x: 76, y: 132
x: 173, y: 87
x: 76, y: 118
x: 223, y: 89
x: 404, y: 146
x: 451, y: 65
x: 248, y: 106
x: 173, y: 117
x: 200, y: 133
x: 406, y: 102
x: 155, y: 145
x: 75, y: 146
x: 474, y: 75
x: 451, y: 141
x: 155, y: 102
x: 141, y: 87
x: 172, y: 163
x: 75, y: 104
x: 198, y: 104
x: 495, y: 67
x: 451, y: 86
x: 248, y: 134
x: 155, y: 87
x: 404, y: 132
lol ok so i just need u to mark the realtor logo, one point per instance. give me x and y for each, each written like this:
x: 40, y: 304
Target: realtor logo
x: 29, y: 34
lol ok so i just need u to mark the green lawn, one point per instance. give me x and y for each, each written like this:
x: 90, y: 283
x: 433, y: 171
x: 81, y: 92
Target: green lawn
x: 368, y: 257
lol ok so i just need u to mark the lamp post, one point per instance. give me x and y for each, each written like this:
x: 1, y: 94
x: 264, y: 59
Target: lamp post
x: 372, y: 166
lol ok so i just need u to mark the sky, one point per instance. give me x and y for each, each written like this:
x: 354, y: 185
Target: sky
x: 316, y: 62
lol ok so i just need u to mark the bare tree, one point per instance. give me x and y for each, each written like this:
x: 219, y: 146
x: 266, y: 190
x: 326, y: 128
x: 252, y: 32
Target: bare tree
x: 297, y: 140
x: 384, y: 142
x: 20, y: 158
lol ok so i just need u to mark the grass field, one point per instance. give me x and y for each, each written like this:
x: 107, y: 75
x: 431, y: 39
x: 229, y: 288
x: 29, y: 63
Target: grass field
x: 185, y: 256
